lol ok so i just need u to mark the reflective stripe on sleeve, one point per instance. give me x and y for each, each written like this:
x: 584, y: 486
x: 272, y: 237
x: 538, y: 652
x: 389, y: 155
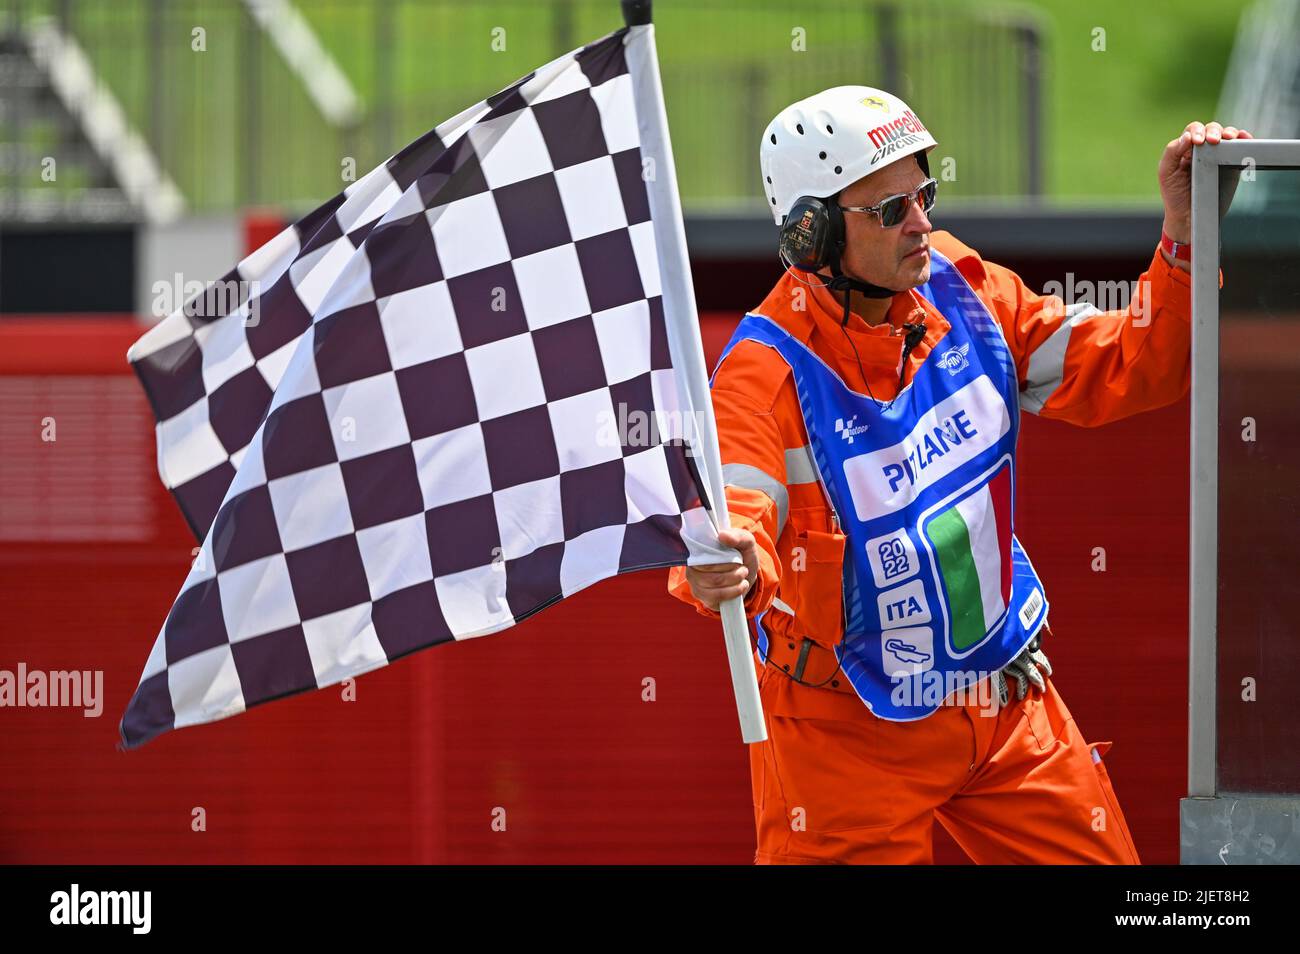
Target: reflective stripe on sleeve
x: 799, y: 467
x: 1047, y: 363
x: 751, y: 478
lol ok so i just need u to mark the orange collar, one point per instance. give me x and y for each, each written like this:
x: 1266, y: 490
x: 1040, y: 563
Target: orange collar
x: 879, y: 343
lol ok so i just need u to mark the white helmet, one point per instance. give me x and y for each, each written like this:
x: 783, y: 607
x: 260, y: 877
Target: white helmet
x: 821, y: 144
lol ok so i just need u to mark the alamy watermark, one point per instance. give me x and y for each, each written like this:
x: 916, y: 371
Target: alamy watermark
x: 75, y: 906
x: 935, y: 687
x: 634, y: 427
x: 1133, y: 297
x: 207, y: 300
x: 62, y: 689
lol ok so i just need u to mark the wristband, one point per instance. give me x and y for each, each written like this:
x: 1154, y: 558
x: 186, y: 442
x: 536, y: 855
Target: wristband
x: 1182, y: 251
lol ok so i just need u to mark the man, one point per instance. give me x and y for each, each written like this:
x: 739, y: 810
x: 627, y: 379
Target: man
x: 867, y: 413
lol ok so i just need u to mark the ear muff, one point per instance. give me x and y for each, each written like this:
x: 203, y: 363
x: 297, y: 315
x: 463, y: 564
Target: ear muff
x: 812, y: 234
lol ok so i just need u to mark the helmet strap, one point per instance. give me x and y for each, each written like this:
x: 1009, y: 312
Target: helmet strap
x: 848, y: 285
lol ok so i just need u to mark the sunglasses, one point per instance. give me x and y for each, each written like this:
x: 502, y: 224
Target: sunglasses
x: 893, y: 210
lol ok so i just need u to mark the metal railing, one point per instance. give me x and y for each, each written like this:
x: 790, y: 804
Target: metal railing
x: 233, y: 124
x: 1225, y: 814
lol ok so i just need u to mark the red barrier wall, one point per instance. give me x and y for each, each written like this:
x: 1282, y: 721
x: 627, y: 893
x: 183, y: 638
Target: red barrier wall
x: 546, y: 721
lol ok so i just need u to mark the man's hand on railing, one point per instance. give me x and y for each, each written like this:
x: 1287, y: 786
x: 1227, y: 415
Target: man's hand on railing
x: 1175, y: 175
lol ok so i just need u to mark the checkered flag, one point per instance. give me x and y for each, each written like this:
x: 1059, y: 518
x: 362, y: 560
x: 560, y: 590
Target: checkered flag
x: 463, y: 389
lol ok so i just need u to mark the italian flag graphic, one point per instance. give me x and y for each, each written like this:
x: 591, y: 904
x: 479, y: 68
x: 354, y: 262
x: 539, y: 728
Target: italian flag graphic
x: 972, y: 540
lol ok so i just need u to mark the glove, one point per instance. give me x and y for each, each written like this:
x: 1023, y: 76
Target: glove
x: 1025, y: 670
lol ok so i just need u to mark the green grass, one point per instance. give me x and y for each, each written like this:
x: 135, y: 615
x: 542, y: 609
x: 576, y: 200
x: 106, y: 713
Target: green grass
x: 1107, y: 114
x: 1111, y: 113
x: 728, y: 67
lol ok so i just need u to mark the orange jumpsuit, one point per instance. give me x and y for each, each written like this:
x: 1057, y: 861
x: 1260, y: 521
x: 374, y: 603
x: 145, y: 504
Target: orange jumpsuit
x: 833, y: 782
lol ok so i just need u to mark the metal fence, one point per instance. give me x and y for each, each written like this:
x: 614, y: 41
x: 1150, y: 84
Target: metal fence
x: 233, y: 122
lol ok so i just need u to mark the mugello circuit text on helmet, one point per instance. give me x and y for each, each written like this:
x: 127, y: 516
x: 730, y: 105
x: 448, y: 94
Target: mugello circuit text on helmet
x: 890, y: 137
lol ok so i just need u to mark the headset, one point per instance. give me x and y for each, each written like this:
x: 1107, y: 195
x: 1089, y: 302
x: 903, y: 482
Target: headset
x: 812, y: 238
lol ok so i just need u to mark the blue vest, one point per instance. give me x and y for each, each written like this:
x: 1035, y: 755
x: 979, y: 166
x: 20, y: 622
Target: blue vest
x: 938, y: 593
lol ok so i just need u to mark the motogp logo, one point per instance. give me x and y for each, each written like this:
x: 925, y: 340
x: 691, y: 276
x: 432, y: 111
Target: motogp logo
x: 847, y: 430
x: 954, y: 359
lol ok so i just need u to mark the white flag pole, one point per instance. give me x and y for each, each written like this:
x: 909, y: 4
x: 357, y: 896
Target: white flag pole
x: 684, y: 337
